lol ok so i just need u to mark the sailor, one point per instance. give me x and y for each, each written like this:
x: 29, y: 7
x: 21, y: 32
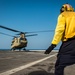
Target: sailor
x: 65, y: 32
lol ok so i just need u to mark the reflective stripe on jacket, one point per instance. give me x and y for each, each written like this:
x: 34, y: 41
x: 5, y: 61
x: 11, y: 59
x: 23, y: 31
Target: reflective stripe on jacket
x: 65, y: 27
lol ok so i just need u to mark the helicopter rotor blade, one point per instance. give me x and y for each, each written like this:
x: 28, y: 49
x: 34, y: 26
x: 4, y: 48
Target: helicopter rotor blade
x: 4, y: 27
x: 9, y: 28
x: 41, y: 31
x: 6, y: 34
x: 14, y: 36
x: 31, y: 35
x: 35, y: 32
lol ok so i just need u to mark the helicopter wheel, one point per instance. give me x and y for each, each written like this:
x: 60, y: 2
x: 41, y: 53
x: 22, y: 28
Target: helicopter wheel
x: 24, y: 49
x: 12, y: 49
x: 19, y: 49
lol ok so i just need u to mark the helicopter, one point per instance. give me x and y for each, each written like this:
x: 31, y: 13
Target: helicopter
x: 20, y: 42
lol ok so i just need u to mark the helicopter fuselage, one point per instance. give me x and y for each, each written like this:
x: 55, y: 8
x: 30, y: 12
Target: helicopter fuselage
x: 19, y: 43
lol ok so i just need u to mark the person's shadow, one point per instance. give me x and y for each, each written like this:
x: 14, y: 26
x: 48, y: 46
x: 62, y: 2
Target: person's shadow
x: 40, y: 73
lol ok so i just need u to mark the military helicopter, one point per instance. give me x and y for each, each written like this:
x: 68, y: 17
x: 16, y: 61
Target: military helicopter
x: 20, y: 42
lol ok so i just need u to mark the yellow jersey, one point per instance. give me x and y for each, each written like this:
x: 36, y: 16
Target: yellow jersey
x: 65, y: 27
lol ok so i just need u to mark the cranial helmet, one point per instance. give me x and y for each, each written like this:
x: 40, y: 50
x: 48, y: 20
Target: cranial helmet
x: 66, y: 7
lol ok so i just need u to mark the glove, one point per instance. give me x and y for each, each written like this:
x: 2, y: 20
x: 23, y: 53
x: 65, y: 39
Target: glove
x: 50, y: 49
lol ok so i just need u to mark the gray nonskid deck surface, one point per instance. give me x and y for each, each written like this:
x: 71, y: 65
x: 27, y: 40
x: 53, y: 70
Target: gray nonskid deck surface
x: 10, y: 60
x: 13, y: 59
x: 42, y: 68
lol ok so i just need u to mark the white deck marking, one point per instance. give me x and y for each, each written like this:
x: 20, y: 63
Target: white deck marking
x: 25, y: 66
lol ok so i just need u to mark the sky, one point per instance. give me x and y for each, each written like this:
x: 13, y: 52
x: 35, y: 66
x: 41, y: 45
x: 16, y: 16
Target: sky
x: 28, y: 16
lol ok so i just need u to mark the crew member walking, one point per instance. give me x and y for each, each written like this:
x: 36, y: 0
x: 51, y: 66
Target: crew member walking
x: 65, y: 32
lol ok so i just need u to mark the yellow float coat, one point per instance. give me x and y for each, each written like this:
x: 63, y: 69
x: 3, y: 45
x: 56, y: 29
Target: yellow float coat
x: 65, y: 27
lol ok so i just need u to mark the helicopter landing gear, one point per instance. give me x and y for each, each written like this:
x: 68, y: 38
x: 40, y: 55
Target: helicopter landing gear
x: 12, y: 49
x: 24, y: 49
